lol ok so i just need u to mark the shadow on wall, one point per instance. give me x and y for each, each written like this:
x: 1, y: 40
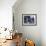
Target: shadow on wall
x: 17, y: 4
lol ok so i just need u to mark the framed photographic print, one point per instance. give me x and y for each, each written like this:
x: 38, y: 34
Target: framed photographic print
x: 29, y: 19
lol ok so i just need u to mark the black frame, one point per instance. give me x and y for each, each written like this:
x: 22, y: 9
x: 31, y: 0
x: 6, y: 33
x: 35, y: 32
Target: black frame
x: 32, y: 19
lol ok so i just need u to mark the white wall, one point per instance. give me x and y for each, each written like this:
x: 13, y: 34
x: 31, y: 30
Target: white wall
x: 6, y: 13
x: 28, y: 7
x: 43, y: 22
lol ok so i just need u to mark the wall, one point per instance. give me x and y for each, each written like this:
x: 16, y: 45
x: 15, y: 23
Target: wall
x: 6, y: 13
x: 43, y: 22
x: 28, y: 7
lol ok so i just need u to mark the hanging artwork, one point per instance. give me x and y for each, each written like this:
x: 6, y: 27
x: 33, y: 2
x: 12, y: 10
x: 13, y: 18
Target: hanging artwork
x: 29, y: 19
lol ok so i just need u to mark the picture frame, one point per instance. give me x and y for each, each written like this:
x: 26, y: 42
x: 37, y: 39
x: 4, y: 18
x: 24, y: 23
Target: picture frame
x: 29, y: 19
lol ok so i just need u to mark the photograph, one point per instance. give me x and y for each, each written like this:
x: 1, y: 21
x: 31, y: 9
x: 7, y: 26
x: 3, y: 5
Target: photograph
x: 29, y: 19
